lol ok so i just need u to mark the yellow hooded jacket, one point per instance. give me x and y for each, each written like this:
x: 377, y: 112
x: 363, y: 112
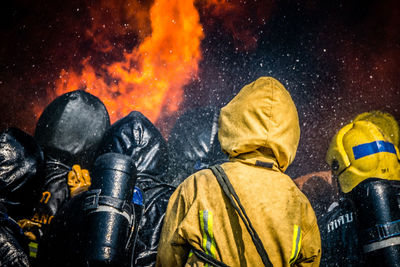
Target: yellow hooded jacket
x: 259, y: 129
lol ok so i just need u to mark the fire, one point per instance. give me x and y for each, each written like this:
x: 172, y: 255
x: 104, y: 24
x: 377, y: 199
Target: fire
x: 141, y: 56
x: 150, y: 78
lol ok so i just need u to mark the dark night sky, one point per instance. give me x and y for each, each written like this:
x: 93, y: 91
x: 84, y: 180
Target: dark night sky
x: 337, y: 58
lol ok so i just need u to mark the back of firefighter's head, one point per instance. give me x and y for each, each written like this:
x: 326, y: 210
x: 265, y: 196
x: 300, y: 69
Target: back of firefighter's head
x: 362, y: 150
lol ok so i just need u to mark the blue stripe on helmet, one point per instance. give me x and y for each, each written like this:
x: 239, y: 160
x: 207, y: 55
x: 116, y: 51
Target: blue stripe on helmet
x: 367, y: 149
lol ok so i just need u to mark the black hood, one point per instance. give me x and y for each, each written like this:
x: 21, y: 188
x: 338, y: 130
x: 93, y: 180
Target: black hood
x: 71, y: 127
x: 135, y: 136
x: 193, y: 143
x: 138, y: 138
x: 21, y: 162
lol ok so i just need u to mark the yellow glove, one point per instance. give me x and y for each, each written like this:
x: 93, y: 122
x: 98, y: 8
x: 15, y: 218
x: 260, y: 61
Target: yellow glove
x: 28, y: 226
x: 78, y: 180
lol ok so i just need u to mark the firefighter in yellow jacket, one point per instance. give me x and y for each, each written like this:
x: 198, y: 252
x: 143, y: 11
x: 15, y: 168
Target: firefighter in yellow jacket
x: 259, y: 130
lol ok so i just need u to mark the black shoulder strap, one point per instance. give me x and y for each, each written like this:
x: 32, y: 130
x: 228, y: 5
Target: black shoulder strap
x: 229, y: 191
x: 207, y: 258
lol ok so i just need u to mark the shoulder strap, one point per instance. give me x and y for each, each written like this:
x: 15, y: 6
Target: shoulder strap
x: 229, y: 191
x: 207, y: 258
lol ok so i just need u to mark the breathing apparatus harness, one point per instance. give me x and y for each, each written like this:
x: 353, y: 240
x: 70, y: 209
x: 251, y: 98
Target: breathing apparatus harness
x: 229, y: 191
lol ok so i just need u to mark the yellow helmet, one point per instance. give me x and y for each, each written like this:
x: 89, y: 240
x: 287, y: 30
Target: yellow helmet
x: 361, y: 150
x: 383, y: 120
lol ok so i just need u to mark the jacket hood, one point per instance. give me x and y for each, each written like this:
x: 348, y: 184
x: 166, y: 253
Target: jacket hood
x: 71, y: 128
x: 260, y: 124
x: 193, y: 143
x: 135, y: 136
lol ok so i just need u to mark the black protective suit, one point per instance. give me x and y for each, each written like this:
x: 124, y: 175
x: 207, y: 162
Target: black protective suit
x: 20, y: 163
x: 69, y: 131
x: 94, y: 228
x: 135, y: 136
x: 336, y: 220
x: 339, y: 240
x: 193, y: 143
x: 13, y: 244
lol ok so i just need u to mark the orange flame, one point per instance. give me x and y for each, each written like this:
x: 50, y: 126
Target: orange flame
x: 151, y: 77
x: 166, y: 54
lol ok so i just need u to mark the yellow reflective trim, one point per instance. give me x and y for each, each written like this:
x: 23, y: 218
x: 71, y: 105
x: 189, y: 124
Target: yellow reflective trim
x: 33, y: 249
x: 208, y: 241
x: 33, y: 245
x: 296, y: 244
x: 211, y: 234
x: 204, y: 240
